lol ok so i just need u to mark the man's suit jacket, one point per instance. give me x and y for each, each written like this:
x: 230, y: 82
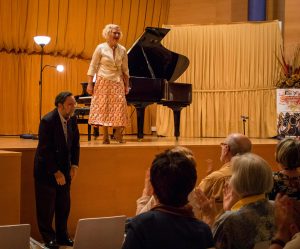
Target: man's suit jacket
x: 53, y: 152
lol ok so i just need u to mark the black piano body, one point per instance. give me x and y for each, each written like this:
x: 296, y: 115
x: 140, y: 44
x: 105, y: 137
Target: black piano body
x: 153, y: 68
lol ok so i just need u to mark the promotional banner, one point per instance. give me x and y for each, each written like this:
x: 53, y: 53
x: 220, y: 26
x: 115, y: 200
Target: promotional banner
x: 288, y: 112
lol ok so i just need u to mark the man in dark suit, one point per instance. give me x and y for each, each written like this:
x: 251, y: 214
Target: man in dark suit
x: 55, y: 165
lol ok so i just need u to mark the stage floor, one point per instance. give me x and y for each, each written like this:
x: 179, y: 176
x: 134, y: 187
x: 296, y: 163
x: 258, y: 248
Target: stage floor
x: 13, y: 142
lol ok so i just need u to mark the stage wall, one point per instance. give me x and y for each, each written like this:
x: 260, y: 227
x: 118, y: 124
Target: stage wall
x: 111, y: 178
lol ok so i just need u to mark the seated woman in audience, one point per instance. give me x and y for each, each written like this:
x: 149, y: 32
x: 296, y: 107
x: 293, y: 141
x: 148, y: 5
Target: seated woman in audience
x: 171, y: 223
x: 287, y: 180
x: 287, y: 216
x: 250, y: 216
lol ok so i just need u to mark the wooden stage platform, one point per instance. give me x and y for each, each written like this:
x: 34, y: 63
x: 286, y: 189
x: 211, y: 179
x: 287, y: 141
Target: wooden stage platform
x: 110, y: 177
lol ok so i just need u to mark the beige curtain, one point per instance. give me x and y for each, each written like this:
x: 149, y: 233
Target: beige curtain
x: 233, y: 70
x: 75, y: 28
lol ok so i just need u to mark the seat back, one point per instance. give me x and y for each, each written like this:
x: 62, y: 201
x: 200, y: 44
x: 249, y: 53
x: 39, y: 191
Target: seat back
x: 262, y: 245
x: 15, y: 236
x: 103, y: 232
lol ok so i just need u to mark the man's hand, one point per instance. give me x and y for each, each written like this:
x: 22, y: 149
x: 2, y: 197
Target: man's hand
x: 73, y: 172
x: 206, y: 205
x: 283, y: 217
x: 148, y: 189
x: 60, y: 178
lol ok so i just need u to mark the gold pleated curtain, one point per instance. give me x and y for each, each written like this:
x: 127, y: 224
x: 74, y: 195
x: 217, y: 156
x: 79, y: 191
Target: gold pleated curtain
x: 233, y: 70
x: 75, y: 28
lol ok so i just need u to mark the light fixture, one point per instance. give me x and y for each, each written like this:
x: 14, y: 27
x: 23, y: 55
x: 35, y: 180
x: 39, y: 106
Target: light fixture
x: 42, y: 41
x: 59, y: 68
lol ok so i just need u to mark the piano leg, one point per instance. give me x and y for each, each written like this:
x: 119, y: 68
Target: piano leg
x: 140, y: 111
x: 176, y: 113
x: 96, y: 132
x: 89, y: 132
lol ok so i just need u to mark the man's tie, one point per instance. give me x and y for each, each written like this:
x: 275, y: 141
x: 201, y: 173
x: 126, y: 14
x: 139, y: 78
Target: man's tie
x: 65, y: 128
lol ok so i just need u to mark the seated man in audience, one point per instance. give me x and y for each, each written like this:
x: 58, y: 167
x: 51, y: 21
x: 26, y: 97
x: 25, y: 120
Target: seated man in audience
x: 287, y: 217
x: 213, y: 184
x: 147, y: 200
x: 171, y: 223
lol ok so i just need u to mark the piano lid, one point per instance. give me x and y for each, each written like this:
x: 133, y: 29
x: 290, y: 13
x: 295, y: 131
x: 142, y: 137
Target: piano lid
x: 148, y: 58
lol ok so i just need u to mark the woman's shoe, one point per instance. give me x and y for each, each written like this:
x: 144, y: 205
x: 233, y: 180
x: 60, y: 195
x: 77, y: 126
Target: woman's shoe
x: 106, y: 141
x: 121, y: 140
x: 105, y: 136
x: 119, y: 136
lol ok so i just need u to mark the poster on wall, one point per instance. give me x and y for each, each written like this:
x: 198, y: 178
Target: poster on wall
x: 288, y: 112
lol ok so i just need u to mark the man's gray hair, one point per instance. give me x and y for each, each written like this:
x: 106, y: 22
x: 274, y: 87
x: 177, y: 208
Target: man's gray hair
x: 238, y: 144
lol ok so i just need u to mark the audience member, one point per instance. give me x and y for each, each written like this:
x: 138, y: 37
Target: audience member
x: 287, y: 180
x: 213, y: 184
x: 287, y: 216
x: 171, y: 223
x: 250, y: 219
x: 147, y: 200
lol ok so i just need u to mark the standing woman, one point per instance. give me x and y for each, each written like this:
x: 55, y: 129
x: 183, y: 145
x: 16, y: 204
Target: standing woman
x: 110, y: 63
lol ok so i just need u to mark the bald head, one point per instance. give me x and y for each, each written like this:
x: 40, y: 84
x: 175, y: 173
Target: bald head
x: 238, y: 144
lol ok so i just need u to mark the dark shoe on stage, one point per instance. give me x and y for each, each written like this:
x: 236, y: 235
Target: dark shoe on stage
x: 119, y: 136
x: 52, y: 244
x: 65, y: 242
x: 106, y: 140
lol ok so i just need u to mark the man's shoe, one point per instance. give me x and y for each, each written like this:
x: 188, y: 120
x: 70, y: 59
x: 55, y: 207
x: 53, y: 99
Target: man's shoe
x: 52, y: 244
x: 65, y: 242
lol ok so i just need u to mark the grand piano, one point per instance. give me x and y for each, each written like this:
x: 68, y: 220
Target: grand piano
x: 153, y: 70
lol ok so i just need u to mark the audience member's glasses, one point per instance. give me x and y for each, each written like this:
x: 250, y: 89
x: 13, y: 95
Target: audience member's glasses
x: 223, y: 144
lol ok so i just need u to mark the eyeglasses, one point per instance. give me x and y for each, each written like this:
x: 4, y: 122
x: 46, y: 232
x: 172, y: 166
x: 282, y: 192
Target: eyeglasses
x: 222, y: 144
x: 116, y: 33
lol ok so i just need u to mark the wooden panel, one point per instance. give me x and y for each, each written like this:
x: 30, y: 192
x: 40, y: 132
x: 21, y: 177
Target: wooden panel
x: 192, y: 12
x: 239, y: 10
x: 207, y: 11
x: 10, y: 187
x: 111, y: 178
x: 223, y: 11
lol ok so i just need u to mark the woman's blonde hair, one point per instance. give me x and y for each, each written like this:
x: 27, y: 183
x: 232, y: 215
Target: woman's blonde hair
x: 288, y: 153
x: 251, y: 175
x: 108, y: 28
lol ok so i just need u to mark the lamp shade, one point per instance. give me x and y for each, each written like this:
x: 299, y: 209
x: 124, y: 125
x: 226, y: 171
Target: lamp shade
x: 60, y: 68
x: 42, y: 40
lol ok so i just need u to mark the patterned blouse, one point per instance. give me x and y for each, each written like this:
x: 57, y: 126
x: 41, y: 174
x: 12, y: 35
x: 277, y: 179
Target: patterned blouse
x: 243, y: 228
x: 285, y: 184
